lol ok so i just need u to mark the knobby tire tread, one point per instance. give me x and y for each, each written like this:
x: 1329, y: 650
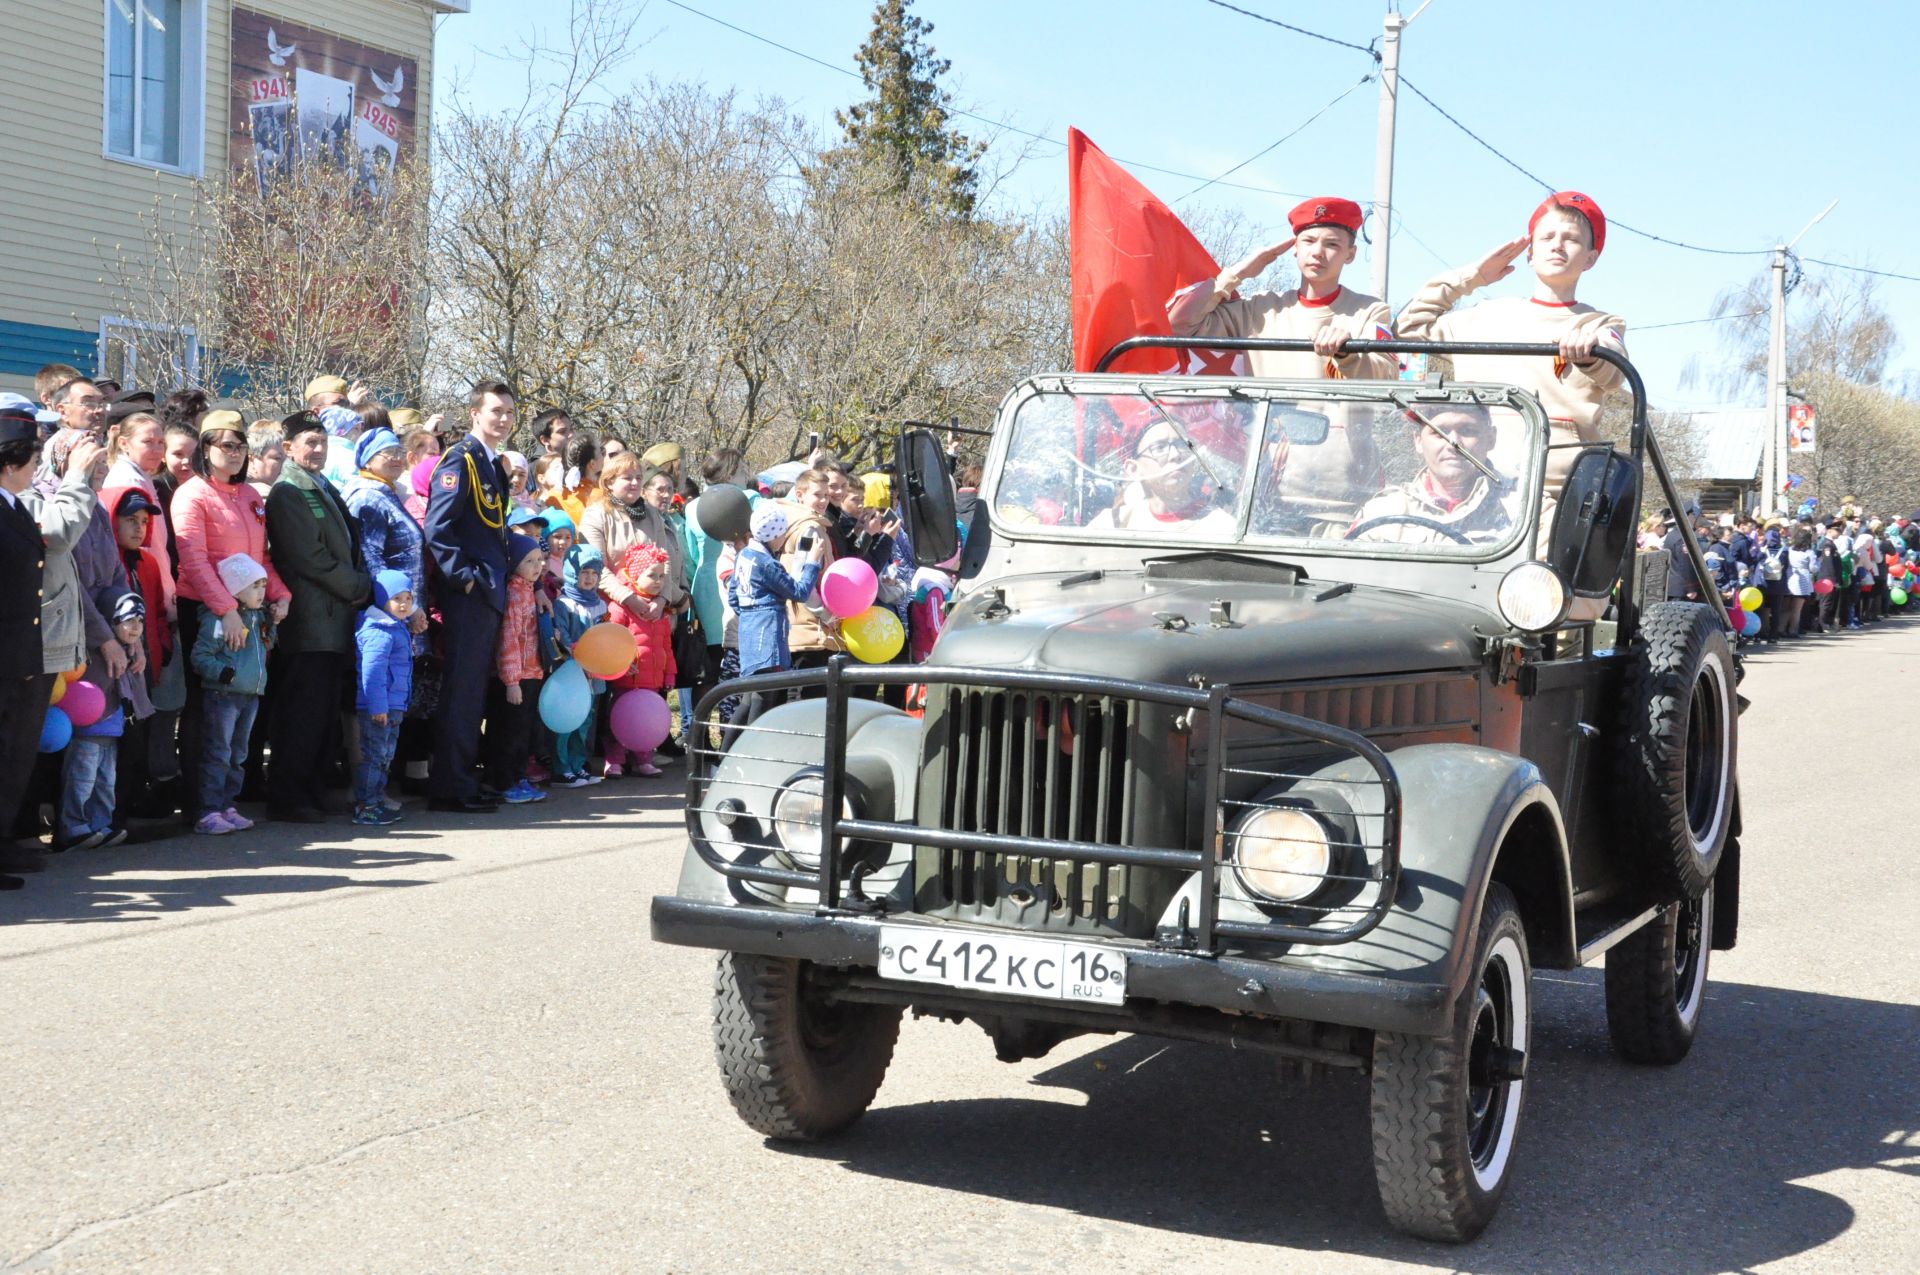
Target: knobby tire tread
x: 776, y: 1083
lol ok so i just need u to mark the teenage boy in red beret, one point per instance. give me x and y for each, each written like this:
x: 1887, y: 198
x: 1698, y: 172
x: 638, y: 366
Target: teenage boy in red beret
x: 1336, y: 475
x: 1563, y: 241
x: 1325, y: 234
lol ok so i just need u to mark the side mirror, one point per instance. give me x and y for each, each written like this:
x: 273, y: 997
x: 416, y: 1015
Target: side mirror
x: 1593, y: 525
x: 927, y: 496
x: 1301, y: 428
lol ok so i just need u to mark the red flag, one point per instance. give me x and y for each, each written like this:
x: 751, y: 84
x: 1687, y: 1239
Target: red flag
x: 1129, y: 254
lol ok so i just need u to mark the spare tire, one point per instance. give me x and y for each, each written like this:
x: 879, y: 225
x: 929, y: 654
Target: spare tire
x: 1676, y: 750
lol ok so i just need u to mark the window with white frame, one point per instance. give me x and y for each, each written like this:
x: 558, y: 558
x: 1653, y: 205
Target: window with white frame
x: 148, y: 356
x: 156, y: 61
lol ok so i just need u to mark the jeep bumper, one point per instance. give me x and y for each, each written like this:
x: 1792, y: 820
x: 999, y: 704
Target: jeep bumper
x: 1236, y: 984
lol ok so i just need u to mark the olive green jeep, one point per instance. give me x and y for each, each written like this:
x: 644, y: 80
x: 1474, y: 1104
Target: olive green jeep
x: 1277, y: 714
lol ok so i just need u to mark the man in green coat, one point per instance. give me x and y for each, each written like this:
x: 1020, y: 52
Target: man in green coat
x: 316, y: 550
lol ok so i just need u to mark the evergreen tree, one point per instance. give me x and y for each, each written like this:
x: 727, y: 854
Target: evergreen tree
x: 905, y: 131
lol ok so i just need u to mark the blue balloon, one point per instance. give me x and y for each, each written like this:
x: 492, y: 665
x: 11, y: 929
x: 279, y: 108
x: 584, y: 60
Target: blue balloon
x: 56, y: 732
x: 566, y: 699
x: 1750, y: 625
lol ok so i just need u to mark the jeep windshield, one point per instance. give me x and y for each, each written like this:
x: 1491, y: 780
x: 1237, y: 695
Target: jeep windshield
x: 1399, y: 470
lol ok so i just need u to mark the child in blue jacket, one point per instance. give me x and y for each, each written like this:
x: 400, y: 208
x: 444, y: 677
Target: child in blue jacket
x: 384, y: 686
x: 578, y: 608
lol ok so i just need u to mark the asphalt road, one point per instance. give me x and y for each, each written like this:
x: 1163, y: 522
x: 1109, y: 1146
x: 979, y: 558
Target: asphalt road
x: 453, y: 1047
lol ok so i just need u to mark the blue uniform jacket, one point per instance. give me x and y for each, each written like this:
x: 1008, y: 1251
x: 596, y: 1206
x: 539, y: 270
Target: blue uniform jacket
x: 467, y: 508
x: 385, y: 665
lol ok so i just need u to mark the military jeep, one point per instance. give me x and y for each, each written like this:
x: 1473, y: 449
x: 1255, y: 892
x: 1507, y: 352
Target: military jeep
x: 1322, y: 768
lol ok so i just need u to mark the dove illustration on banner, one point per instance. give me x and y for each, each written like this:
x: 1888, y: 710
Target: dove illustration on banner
x: 390, y: 90
x: 278, y: 53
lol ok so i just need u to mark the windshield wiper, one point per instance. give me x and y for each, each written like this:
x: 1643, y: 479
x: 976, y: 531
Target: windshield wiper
x: 1492, y: 475
x: 1180, y: 431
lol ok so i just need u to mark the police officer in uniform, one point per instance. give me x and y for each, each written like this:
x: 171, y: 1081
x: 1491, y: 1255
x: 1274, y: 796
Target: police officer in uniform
x: 24, y: 687
x: 467, y: 508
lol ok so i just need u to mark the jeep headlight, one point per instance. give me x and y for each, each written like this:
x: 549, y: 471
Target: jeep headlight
x: 1280, y: 853
x: 1532, y: 597
x: 796, y: 818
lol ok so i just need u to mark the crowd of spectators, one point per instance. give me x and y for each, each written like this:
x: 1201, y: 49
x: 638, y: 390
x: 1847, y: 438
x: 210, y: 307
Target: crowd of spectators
x: 319, y: 616
x: 1797, y: 576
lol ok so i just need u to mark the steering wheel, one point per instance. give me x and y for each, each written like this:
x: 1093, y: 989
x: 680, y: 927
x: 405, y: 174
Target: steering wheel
x: 1413, y: 520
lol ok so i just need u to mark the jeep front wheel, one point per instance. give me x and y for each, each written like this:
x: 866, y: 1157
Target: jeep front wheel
x: 795, y: 1066
x: 1657, y: 983
x: 1446, y: 1108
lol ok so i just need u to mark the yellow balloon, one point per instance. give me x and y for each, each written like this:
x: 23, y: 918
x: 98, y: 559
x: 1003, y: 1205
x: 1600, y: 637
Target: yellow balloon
x: 606, y: 650
x: 59, y: 690
x: 874, y: 636
x: 1751, y: 598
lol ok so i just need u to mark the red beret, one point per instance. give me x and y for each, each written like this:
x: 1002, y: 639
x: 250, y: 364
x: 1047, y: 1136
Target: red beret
x: 1343, y: 213
x: 1579, y: 203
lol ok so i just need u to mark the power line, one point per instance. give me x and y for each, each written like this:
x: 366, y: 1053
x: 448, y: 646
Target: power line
x: 1365, y: 79
x: 1884, y: 274
x: 993, y: 123
x: 1687, y: 323
x: 1367, y: 49
x: 1550, y: 187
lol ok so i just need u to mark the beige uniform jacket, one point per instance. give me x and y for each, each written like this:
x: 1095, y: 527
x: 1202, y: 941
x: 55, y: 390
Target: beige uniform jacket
x: 1204, y: 310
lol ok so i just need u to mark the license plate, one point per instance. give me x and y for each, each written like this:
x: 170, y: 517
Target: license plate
x: 1007, y: 965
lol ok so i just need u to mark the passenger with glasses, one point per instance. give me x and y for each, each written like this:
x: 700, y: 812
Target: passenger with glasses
x: 1167, y: 488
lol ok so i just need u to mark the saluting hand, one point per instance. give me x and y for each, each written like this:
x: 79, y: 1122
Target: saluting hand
x: 1259, y: 261
x: 1498, y: 264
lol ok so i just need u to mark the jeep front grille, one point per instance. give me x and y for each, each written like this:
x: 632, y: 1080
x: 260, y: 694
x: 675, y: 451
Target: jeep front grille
x: 1036, y: 764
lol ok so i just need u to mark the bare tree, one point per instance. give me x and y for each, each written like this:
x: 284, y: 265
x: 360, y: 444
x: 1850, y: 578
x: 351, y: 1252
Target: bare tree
x: 276, y: 286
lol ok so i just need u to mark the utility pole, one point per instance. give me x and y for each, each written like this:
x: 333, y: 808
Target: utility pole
x: 1774, y: 467
x: 1383, y: 146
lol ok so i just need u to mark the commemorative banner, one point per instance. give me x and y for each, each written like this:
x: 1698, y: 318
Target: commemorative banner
x: 303, y: 96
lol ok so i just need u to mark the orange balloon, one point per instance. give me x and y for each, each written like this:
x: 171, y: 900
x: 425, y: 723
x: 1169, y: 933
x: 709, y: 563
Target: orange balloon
x: 59, y: 690
x: 74, y: 674
x: 606, y: 650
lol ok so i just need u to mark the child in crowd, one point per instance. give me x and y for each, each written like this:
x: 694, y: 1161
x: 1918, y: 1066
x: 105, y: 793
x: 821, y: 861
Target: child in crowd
x: 233, y: 679
x: 385, y: 682
x: 644, y: 568
x: 578, y: 608
x: 516, y: 694
x: 90, y: 769
x: 758, y: 590
x: 561, y: 535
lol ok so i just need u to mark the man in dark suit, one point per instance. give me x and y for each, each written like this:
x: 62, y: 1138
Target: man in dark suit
x: 24, y: 688
x: 467, y: 508
x: 316, y: 550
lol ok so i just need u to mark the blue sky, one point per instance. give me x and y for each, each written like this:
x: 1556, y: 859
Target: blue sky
x: 1717, y: 124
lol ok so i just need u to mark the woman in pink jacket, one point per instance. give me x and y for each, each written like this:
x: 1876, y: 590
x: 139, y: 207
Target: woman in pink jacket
x: 216, y: 514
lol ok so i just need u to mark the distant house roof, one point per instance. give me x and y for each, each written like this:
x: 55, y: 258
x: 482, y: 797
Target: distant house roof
x: 1729, y: 444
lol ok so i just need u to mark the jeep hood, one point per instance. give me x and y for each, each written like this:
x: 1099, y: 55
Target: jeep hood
x: 1111, y: 626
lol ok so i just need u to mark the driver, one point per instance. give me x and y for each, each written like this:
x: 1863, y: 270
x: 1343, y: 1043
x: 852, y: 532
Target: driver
x: 1166, y: 488
x: 1450, y: 490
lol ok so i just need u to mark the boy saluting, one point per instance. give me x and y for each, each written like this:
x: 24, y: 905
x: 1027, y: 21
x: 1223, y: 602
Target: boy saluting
x: 1563, y: 241
x: 1319, y: 310
x: 1330, y: 478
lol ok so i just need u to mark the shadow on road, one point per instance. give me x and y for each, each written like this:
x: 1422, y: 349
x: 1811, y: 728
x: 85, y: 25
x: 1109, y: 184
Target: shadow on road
x: 1622, y: 1168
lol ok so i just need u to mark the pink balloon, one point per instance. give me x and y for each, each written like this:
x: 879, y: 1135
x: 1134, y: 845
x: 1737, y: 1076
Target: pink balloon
x: 83, y: 703
x: 641, y: 720
x: 848, y: 587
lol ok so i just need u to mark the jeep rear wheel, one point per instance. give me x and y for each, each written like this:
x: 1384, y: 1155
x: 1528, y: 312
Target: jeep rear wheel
x: 795, y: 1066
x: 1446, y: 1109
x: 1676, y: 755
x: 1657, y: 984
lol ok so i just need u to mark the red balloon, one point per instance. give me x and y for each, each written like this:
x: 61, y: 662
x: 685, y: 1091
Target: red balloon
x: 1823, y: 587
x: 1737, y: 618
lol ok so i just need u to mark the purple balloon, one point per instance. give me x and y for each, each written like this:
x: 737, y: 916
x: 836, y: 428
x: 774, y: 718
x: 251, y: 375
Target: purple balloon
x: 641, y: 720
x: 83, y: 703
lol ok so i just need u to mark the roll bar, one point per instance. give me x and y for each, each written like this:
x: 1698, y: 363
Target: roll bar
x: 1644, y: 446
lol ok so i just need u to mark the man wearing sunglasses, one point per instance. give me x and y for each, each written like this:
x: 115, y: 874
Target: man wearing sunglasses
x: 1167, y: 489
